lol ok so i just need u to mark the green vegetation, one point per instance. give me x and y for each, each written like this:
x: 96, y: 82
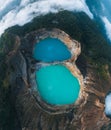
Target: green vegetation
x: 6, y: 112
x: 6, y: 45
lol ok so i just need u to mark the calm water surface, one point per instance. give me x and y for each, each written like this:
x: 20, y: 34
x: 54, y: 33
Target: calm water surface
x: 50, y: 50
x: 57, y: 85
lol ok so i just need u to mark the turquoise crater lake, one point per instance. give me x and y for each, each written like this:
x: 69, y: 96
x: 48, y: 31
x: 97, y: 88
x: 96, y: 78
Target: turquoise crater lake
x: 50, y: 50
x: 57, y: 85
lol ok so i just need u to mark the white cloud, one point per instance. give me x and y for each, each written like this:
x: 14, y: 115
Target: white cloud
x: 108, y: 104
x: 103, y: 7
x: 13, y: 12
x: 3, y: 4
x: 107, y: 26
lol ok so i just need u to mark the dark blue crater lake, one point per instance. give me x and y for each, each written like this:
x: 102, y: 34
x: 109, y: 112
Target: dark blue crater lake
x: 50, y: 50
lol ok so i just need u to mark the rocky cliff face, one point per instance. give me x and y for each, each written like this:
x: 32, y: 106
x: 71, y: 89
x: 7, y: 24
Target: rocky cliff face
x: 32, y: 113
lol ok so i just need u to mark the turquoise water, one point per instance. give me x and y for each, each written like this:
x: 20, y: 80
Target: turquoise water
x: 50, y: 50
x: 57, y: 85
